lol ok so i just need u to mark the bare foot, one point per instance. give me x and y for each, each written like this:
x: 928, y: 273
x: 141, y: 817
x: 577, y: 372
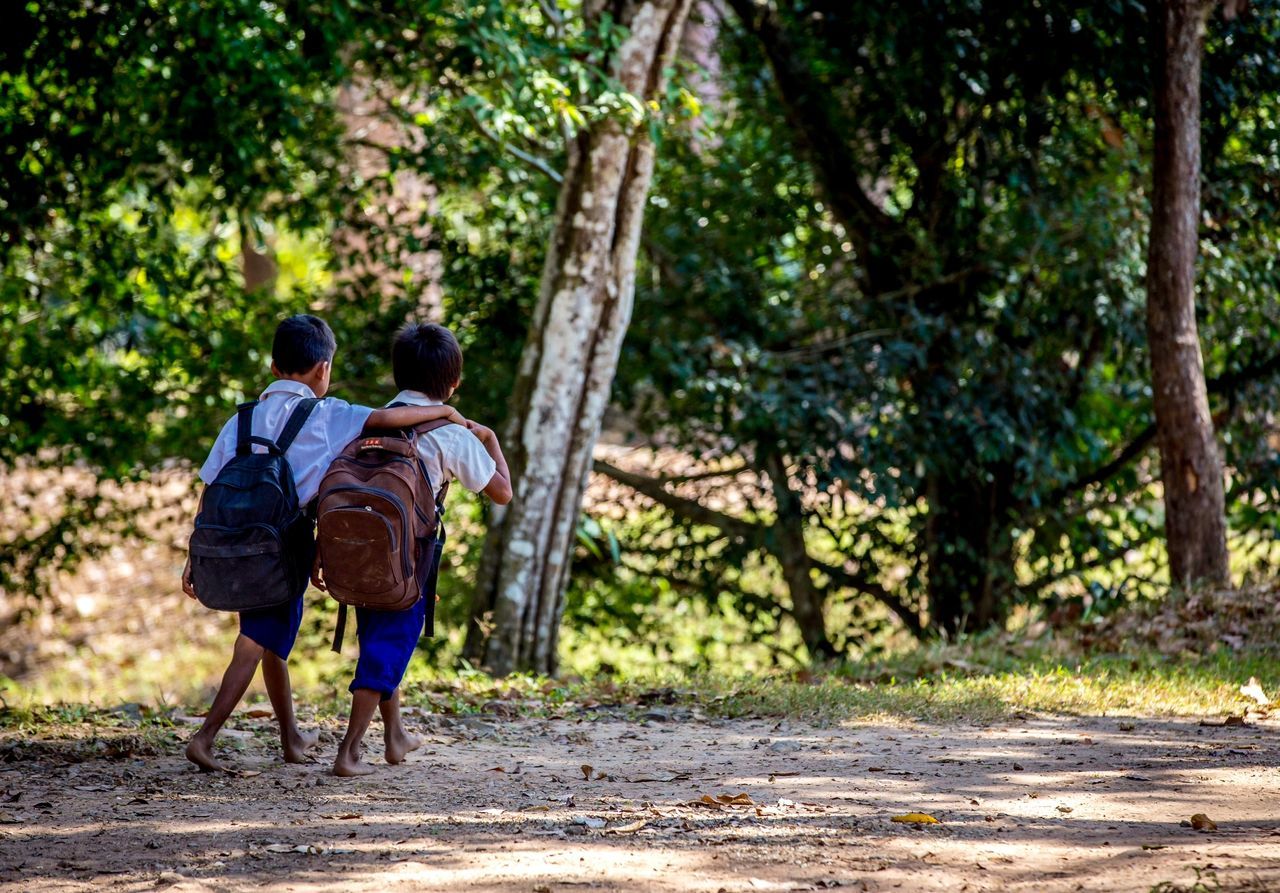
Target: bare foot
x: 348, y: 764
x: 297, y: 744
x: 200, y: 752
x: 399, y: 744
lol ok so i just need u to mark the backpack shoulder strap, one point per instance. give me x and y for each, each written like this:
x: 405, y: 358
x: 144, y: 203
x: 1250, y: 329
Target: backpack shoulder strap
x: 244, y: 427
x: 297, y: 419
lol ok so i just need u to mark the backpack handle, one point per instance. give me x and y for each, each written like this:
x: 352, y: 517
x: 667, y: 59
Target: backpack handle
x: 246, y: 439
x: 272, y: 448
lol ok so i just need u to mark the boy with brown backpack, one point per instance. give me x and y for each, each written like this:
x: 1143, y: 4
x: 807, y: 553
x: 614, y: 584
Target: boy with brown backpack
x: 253, y: 544
x: 380, y: 539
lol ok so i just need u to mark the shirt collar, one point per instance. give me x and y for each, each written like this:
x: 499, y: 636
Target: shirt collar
x: 415, y: 398
x: 287, y: 386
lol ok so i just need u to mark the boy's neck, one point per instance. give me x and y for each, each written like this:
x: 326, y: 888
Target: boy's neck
x: 307, y: 380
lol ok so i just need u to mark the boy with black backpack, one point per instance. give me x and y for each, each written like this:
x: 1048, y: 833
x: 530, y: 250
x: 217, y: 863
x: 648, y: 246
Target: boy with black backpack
x: 380, y: 539
x: 253, y: 543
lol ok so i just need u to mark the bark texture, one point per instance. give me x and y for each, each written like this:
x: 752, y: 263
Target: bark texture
x: 584, y: 307
x: 1190, y: 463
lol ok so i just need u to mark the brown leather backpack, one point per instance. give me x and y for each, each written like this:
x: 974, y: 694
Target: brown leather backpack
x: 377, y: 524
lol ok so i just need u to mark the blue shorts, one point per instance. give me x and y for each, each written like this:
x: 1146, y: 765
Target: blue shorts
x: 274, y: 628
x: 387, y: 641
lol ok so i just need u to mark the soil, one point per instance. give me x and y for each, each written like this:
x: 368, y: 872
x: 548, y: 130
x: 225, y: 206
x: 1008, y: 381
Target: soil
x: 492, y: 804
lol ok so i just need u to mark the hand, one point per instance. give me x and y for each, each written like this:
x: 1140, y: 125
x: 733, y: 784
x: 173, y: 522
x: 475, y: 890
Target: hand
x: 187, y: 586
x: 484, y: 434
x: 456, y: 417
x: 317, y: 575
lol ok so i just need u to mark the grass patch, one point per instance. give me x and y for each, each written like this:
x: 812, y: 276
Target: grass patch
x: 985, y: 680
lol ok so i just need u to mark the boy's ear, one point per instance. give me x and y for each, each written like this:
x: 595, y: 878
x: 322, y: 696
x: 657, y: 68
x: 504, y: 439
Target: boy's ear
x: 275, y: 370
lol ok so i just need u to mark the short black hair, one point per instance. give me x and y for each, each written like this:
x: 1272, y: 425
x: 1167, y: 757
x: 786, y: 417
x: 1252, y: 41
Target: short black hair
x: 301, y: 342
x: 426, y: 357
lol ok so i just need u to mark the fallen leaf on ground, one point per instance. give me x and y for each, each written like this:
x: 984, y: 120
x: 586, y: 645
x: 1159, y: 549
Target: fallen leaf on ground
x: 258, y: 713
x: 722, y: 801
x: 1224, y: 721
x: 586, y: 771
x: 1202, y: 822
x: 629, y: 828
x: 915, y: 818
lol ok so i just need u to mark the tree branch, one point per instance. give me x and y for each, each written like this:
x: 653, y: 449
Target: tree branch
x: 1224, y: 385
x: 756, y: 535
x: 882, y: 240
x: 846, y: 580
x: 516, y: 152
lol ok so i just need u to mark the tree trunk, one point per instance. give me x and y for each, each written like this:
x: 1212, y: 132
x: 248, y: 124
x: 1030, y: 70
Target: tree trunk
x: 970, y: 553
x: 584, y: 306
x: 257, y: 267
x: 807, y: 599
x: 1190, y: 464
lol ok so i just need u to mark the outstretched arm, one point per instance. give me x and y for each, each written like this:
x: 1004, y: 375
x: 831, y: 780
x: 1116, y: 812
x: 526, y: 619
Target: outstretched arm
x: 499, y: 487
x: 408, y: 416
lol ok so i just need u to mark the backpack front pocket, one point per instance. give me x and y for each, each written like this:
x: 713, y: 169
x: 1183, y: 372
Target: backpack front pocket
x: 361, y: 554
x: 240, y: 568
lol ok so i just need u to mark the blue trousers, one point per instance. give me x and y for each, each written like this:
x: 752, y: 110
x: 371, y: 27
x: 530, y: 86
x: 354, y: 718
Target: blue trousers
x: 387, y: 642
x: 274, y: 628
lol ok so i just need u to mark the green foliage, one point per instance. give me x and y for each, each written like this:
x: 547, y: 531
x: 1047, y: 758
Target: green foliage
x: 951, y: 377
x: 901, y: 251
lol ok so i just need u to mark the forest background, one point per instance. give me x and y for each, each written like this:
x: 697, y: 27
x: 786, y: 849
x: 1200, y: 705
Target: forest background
x: 886, y: 380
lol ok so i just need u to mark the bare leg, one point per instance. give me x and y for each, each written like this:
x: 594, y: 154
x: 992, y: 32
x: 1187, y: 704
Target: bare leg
x: 364, y: 702
x: 275, y: 673
x: 399, y: 742
x: 235, y: 682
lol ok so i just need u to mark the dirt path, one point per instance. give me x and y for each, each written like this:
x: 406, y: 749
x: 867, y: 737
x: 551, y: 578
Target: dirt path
x: 1044, y: 804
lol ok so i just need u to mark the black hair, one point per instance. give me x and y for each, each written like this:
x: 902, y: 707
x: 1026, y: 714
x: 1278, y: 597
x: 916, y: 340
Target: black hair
x: 301, y: 342
x: 426, y: 357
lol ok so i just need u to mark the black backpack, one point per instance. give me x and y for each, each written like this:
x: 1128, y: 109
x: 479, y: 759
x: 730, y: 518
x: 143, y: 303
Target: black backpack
x: 253, y: 545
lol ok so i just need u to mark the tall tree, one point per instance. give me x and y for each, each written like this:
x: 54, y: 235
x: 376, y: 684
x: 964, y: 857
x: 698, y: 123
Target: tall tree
x: 1190, y: 464
x: 567, y: 368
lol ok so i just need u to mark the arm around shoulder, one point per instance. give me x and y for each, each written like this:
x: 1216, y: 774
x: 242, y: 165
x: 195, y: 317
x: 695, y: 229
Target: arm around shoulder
x: 408, y: 416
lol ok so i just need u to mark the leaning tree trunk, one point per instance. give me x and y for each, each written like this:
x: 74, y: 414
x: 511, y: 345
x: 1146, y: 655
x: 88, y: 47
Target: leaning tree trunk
x: 584, y: 306
x: 1190, y: 464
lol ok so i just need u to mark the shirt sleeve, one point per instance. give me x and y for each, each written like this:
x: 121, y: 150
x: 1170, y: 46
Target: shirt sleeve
x: 343, y: 422
x: 220, y: 455
x: 466, y: 459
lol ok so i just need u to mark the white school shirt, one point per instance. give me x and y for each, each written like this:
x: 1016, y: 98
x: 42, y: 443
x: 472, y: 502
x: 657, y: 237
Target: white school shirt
x: 451, y: 452
x: 331, y: 426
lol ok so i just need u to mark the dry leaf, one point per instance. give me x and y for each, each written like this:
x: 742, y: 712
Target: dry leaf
x: 916, y: 818
x: 1202, y: 822
x: 722, y: 801
x: 586, y: 771
x: 259, y: 713
x: 496, y: 769
x: 632, y: 828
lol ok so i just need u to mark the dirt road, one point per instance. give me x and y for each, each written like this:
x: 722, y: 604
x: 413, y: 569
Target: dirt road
x: 1043, y: 804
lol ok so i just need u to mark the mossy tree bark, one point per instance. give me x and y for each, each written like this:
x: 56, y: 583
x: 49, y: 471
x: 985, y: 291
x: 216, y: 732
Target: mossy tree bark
x: 569, y: 360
